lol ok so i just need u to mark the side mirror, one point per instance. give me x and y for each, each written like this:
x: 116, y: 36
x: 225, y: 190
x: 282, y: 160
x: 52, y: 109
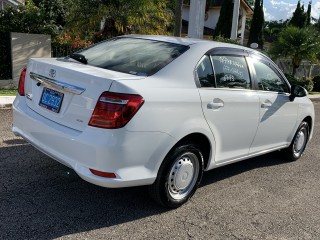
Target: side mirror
x: 297, y: 91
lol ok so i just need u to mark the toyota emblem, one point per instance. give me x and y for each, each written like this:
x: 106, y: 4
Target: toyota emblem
x: 52, y: 73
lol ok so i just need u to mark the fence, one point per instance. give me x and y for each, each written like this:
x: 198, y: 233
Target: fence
x: 5, y: 56
x: 306, y: 69
x: 58, y: 50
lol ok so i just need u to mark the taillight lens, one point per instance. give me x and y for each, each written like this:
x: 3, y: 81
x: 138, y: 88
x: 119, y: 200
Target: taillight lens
x: 103, y: 174
x: 114, y: 110
x: 21, y: 82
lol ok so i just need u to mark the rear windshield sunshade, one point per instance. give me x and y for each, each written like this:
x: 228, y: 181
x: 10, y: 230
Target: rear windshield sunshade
x: 135, y: 56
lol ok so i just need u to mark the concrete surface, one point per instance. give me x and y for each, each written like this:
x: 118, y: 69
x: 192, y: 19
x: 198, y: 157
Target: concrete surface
x: 260, y: 198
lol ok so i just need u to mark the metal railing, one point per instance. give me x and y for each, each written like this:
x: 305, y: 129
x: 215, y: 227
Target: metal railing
x: 62, y: 50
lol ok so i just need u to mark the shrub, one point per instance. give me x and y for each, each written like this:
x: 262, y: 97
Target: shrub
x: 307, y: 83
x: 226, y: 40
x: 316, y: 82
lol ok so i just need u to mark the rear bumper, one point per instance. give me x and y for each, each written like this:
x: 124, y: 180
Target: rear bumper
x: 134, y: 157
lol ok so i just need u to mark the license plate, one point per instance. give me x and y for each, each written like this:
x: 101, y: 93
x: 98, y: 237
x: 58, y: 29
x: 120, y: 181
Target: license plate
x: 51, y: 100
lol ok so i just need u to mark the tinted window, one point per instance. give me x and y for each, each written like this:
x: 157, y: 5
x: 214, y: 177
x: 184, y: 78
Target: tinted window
x: 134, y: 56
x: 267, y: 79
x: 231, y: 72
x: 205, y: 73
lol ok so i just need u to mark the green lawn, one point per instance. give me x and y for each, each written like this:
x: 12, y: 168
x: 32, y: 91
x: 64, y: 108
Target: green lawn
x: 8, y: 92
x: 312, y: 93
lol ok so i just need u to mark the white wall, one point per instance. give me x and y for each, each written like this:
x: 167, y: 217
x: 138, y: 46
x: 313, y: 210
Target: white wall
x: 23, y: 47
x: 213, y: 16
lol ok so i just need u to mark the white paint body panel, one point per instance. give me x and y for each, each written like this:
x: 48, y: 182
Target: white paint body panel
x: 174, y: 107
x: 234, y: 125
x: 276, y: 121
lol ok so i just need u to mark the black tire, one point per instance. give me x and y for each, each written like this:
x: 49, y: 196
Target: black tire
x: 182, y: 166
x: 298, y: 144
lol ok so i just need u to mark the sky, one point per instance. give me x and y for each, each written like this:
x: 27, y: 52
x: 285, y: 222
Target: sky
x: 277, y: 10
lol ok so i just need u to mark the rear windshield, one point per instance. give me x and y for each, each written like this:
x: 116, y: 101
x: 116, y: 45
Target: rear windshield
x: 140, y: 57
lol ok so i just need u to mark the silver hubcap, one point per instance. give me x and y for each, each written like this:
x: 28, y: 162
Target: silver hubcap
x: 300, y: 141
x: 183, y: 175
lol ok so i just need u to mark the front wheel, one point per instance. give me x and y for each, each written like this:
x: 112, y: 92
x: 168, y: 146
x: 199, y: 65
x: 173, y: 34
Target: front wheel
x: 178, y: 176
x: 298, y: 144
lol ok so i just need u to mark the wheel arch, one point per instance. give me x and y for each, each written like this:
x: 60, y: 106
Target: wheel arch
x: 202, y: 141
x: 308, y: 120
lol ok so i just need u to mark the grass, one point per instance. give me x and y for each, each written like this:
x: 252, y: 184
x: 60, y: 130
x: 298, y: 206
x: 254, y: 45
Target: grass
x: 8, y: 92
x: 313, y: 93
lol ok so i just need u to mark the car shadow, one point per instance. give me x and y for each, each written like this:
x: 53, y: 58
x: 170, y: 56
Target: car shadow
x: 42, y: 199
x: 224, y: 172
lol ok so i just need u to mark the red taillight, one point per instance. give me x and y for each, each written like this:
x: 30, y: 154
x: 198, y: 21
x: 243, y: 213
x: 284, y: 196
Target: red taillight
x: 114, y: 110
x: 21, y: 82
x: 102, y: 174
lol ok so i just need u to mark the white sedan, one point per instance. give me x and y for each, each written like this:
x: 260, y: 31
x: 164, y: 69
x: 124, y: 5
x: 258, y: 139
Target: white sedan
x: 158, y: 111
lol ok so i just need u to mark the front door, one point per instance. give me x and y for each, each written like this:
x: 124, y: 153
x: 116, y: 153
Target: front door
x: 278, y: 115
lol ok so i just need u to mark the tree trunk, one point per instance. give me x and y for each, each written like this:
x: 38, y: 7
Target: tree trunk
x: 294, y: 70
x: 178, y: 19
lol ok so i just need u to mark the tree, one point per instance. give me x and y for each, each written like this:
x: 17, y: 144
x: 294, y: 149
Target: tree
x: 273, y: 28
x: 26, y: 19
x: 119, y: 17
x: 56, y: 10
x: 299, y: 17
x: 308, y: 17
x: 298, y: 44
x: 257, y: 25
x: 224, y: 24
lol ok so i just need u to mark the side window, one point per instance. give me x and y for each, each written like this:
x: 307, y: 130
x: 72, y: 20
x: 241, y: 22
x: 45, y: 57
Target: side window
x: 205, y: 73
x: 231, y: 72
x: 268, y: 80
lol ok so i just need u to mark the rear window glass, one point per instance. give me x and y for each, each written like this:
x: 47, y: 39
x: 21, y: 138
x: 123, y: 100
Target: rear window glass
x: 140, y: 57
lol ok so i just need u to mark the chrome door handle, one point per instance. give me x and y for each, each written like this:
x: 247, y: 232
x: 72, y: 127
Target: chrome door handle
x: 215, y: 104
x: 266, y: 104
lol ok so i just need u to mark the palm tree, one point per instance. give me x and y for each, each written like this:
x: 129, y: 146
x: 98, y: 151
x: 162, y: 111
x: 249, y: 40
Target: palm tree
x: 120, y: 17
x: 297, y: 44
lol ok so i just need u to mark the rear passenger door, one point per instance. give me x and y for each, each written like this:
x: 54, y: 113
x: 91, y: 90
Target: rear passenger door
x: 229, y: 104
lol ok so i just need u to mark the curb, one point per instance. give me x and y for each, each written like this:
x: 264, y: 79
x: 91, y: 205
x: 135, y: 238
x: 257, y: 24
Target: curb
x: 6, y: 106
x: 6, y: 102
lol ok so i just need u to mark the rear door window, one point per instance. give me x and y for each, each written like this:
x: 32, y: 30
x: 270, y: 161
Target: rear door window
x: 231, y: 72
x: 205, y: 73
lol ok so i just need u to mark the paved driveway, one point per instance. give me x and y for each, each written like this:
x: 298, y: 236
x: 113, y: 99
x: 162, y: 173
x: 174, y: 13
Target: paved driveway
x: 261, y: 198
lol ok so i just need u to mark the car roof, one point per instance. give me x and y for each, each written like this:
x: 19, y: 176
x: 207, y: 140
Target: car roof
x: 197, y: 42
x: 192, y: 41
x: 178, y: 40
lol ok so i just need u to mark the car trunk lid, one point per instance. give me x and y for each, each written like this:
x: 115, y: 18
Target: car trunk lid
x: 65, y: 91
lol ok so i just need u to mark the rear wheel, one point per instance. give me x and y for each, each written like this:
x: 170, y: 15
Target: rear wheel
x: 178, y: 176
x: 298, y: 144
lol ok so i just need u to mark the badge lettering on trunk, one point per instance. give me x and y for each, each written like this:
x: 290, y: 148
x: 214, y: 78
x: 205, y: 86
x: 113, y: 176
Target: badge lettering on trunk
x: 52, y: 73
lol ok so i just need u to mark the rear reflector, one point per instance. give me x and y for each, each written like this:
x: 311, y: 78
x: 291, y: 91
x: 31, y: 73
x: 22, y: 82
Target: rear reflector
x: 103, y: 174
x: 115, y: 110
x: 21, y: 82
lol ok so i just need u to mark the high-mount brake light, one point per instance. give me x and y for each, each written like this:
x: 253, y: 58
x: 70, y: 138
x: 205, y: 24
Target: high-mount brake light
x: 22, y: 82
x: 115, y: 110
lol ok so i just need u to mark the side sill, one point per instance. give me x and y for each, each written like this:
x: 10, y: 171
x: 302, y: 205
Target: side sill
x: 247, y: 157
